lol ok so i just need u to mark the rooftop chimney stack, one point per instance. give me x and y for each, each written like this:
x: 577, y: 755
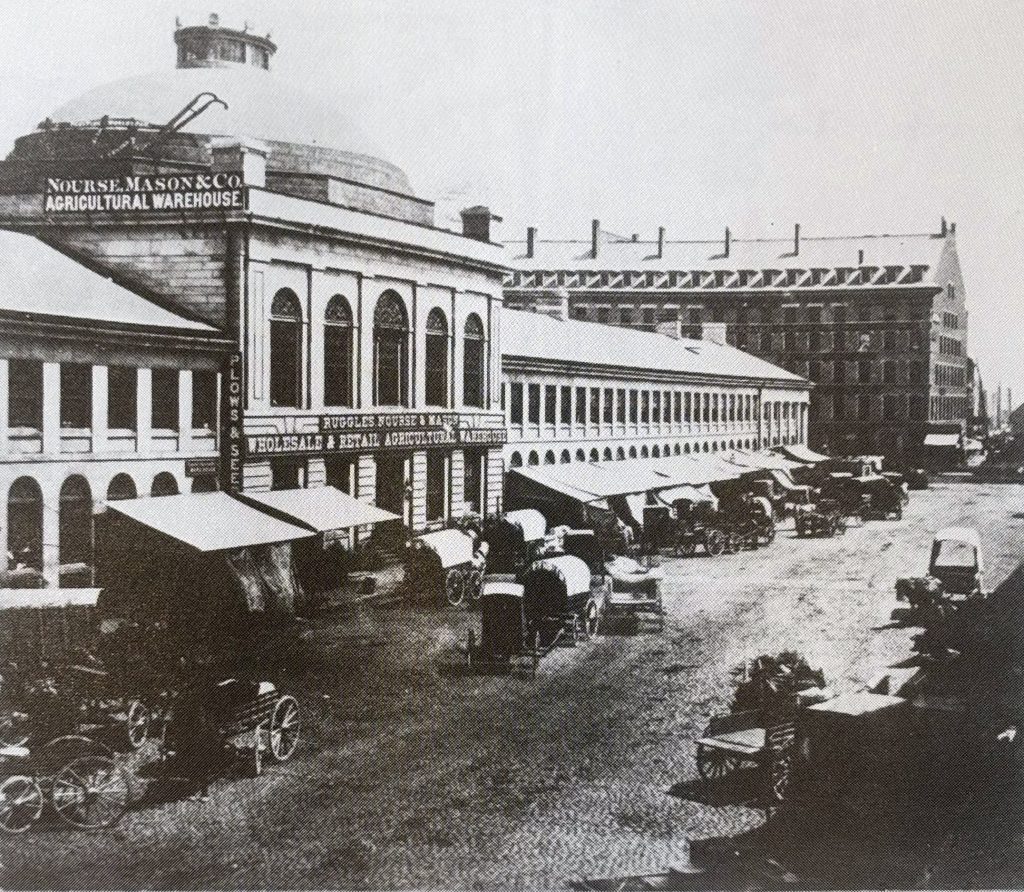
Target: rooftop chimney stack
x: 661, y: 241
x: 595, y: 229
x: 476, y: 223
x: 531, y: 238
x: 944, y: 231
x: 796, y: 240
x: 728, y: 241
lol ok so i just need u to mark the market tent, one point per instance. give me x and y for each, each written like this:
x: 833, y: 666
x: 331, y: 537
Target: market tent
x: 695, y: 470
x: 320, y: 509
x: 784, y: 479
x: 209, y: 521
x: 531, y: 523
x: 766, y: 461
x: 589, y: 482
x: 686, y: 492
x: 802, y: 454
x: 453, y: 547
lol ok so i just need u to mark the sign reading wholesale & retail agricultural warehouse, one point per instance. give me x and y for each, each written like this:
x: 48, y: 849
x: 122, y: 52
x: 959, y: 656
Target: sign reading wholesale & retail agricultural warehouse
x: 376, y: 430
x: 158, y: 192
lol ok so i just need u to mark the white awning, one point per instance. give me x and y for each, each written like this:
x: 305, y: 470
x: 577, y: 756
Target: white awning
x: 22, y: 598
x: 531, y: 523
x: 209, y: 521
x: 802, y: 454
x: 942, y: 440
x: 453, y: 547
x: 690, y: 493
x: 320, y: 509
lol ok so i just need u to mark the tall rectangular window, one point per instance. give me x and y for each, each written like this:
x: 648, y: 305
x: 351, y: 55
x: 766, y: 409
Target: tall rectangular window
x: 566, y: 407
x: 677, y: 407
x: 165, y: 399
x: 204, y: 399
x: 435, y: 484
x: 75, y: 395
x: 864, y: 407
x: 688, y: 407
x: 595, y: 405
x: 666, y: 406
x: 633, y: 406
x: 606, y: 410
x: 656, y: 406
x: 533, y: 403
x: 645, y: 406
x: 473, y: 479
x: 550, y: 399
x: 515, y: 406
x: 122, y: 397
x: 864, y: 372
x: 25, y: 393
x: 581, y: 405
x: 620, y: 406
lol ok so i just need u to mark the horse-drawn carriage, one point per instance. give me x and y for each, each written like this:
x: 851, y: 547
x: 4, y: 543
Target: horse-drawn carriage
x: 823, y: 518
x: 634, y: 592
x: 513, y: 540
x: 448, y: 562
x: 556, y: 601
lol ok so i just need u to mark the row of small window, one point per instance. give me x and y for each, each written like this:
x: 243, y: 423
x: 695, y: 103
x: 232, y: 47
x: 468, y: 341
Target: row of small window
x: 863, y: 371
x: 894, y: 407
x: 609, y: 405
x: 950, y: 375
x: 824, y: 341
x: 743, y: 315
x: 391, y: 369
x: 621, y: 453
x: 949, y: 408
x: 950, y: 320
x: 950, y: 346
x: 25, y: 396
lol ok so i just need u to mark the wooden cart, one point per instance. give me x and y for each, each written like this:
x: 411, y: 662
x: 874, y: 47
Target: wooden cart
x: 445, y: 562
x: 635, y: 592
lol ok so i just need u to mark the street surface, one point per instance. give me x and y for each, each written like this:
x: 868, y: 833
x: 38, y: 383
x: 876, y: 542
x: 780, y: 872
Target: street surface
x: 411, y: 774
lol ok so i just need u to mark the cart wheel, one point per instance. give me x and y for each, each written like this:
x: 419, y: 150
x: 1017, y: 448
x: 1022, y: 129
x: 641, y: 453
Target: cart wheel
x: 91, y: 792
x: 136, y: 724
x: 592, y: 619
x: 21, y: 803
x: 715, y: 542
x: 14, y: 730
x: 454, y: 587
x: 714, y: 764
x: 474, y: 585
x: 285, y: 725
x: 686, y: 548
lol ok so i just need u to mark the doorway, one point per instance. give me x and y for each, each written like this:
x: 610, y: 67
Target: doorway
x: 391, y: 484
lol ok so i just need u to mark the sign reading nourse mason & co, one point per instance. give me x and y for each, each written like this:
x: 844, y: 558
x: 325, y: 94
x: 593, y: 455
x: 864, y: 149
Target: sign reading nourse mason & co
x: 367, y: 431
x: 157, y: 192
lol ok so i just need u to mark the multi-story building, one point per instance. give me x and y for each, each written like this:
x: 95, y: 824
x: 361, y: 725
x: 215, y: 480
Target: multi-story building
x: 103, y: 396
x: 365, y: 340
x: 584, y: 392
x: 877, y: 323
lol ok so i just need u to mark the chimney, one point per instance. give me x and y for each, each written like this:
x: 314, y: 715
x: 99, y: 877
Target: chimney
x: 728, y: 241
x: 952, y: 228
x: 860, y: 257
x: 476, y: 223
x: 661, y: 241
x: 595, y: 229
x: 531, y: 238
x: 944, y: 231
x: 796, y: 239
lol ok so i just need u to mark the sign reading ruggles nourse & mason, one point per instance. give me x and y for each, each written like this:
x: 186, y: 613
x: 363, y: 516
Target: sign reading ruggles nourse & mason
x: 151, y: 192
x: 376, y: 430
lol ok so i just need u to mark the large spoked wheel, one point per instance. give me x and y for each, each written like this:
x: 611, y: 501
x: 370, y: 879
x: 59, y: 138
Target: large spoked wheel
x: 591, y: 619
x: 686, y: 547
x: 21, y: 803
x: 136, y: 724
x: 91, y: 792
x: 474, y: 585
x: 455, y: 587
x: 14, y: 729
x: 713, y: 764
x: 285, y: 726
x: 715, y: 542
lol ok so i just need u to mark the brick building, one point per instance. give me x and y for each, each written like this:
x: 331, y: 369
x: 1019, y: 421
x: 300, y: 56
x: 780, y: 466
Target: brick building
x: 364, y: 341
x: 877, y: 323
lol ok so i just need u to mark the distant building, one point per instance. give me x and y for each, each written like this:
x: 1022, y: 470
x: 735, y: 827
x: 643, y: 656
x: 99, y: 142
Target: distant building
x: 877, y: 323
x: 584, y: 392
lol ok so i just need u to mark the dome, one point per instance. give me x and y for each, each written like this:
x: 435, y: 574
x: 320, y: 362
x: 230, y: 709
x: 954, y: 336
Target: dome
x: 259, y: 106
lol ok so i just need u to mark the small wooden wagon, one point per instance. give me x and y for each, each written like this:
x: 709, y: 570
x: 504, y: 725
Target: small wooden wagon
x: 513, y: 540
x: 446, y: 561
x: 635, y: 592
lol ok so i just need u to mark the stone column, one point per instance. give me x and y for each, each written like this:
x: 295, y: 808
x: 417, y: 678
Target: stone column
x: 184, y: 410
x: 456, y: 483
x: 419, y: 490
x: 5, y: 422
x: 51, y: 529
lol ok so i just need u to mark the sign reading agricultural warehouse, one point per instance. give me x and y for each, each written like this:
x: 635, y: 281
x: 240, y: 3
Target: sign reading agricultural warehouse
x: 156, y: 192
x: 367, y: 431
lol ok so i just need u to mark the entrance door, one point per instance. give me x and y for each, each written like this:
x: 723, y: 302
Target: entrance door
x: 391, y: 482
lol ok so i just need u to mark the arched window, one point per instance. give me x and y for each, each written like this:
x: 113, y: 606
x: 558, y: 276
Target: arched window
x: 594, y: 456
x: 581, y: 455
x: 656, y: 451
x: 75, y: 532
x: 25, y: 524
x: 686, y: 448
x: 607, y: 454
x: 164, y: 484
x: 436, y: 359
x: 391, y: 351
x: 632, y: 451
x: 566, y: 458
x: 473, y: 362
x: 338, y: 353
x: 549, y: 457
x: 644, y: 453
x: 707, y: 447
x: 121, y: 487
x: 714, y: 446
x: 620, y: 454
x: 285, y: 349
x: 677, y: 450
x: 516, y: 460
x: 533, y: 459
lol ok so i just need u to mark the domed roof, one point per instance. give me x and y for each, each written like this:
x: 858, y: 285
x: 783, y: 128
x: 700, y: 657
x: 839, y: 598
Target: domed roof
x: 259, y: 106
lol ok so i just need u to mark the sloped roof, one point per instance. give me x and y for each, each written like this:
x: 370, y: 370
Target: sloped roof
x: 541, y: 337
x: 37, y: 279
x: 832, y: 252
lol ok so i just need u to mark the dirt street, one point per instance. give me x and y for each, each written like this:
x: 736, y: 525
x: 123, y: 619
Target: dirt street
x: 413, y: 775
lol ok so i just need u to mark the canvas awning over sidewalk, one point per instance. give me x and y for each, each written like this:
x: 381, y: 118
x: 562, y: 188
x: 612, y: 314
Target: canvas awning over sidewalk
x: 320, y: 509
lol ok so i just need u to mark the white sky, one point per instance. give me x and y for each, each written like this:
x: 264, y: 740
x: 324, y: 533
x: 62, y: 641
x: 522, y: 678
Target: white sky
x: 847, y: 117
